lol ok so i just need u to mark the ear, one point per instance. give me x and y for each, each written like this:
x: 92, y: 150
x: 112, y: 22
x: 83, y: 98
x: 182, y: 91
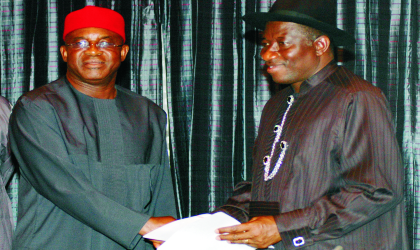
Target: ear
x: 63, y: 51
x: 124, y: 50
x: 322, y: 45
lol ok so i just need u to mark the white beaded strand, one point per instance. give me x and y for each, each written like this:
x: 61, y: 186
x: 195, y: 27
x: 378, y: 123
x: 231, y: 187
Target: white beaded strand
x: 283, y: 145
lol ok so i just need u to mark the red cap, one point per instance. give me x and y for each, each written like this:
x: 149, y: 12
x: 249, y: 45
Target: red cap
x: 92, y: 16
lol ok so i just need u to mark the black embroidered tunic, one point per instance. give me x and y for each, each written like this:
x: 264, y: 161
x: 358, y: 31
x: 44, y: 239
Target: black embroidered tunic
x: 340, y: 179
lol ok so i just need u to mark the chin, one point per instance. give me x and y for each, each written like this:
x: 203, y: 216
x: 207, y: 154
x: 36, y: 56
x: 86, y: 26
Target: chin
x: 280, y: 81
x: 94, y: 77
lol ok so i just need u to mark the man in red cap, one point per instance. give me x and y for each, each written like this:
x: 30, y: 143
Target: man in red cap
x: 92, y: 155
x: 327, y: 170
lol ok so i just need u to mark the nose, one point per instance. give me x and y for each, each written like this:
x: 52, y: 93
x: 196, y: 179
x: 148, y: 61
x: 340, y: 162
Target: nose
x: 270, y: 52
x: 93, y: 50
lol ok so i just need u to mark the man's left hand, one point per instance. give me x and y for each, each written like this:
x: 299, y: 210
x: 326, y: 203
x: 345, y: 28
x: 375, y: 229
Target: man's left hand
x: 259, y: 232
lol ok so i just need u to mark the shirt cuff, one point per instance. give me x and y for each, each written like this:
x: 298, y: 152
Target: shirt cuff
x: 296, y: 239
x: 294, y: 229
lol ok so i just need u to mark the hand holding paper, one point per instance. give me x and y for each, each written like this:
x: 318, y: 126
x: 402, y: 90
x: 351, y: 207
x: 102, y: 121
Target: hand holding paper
x: 259, y: 232
x: 198, y: 232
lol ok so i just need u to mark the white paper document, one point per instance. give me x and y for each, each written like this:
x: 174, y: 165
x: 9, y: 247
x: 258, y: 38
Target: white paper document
x: 196, y: 232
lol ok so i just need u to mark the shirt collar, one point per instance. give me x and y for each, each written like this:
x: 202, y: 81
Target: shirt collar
x: 316, y: 79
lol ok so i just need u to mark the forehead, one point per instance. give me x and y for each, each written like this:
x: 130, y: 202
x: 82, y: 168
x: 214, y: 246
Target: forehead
x: 278, y: 29
x: 92, y: 33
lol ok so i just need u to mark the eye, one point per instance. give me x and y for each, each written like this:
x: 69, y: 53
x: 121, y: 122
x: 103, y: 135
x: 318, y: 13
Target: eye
x: 265, y: 44
x: 83, y: 44
x: 104, y: 45
x: 283, y: 44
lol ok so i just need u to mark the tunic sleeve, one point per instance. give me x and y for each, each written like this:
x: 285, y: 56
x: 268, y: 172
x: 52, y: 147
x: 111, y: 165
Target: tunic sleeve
x: 370, y: 173
x: 164, y: 192
x: 37, y: 143
x: 237, y: 205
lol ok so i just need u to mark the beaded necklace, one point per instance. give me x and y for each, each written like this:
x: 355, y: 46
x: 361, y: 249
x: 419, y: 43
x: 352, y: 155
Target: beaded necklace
x: 283, y: 146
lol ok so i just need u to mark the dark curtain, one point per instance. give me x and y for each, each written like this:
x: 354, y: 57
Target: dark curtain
x: 201, y: 64
x: 216, y: 95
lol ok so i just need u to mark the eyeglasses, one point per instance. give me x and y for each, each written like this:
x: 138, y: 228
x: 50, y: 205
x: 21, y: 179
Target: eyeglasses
x: 84, y: 44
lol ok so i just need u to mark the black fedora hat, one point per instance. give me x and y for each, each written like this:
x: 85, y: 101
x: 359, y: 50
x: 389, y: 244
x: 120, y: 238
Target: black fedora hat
x: 318, y: 14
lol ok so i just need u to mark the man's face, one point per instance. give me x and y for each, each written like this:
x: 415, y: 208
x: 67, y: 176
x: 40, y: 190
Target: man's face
x: 92, y: 65
x: 289, y: 56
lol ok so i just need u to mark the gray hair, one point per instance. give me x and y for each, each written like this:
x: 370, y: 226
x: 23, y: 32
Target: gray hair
x: 310, y: 33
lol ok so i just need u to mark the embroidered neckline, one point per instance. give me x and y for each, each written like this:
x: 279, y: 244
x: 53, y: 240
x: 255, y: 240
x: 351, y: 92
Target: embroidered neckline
x: 278, y: 129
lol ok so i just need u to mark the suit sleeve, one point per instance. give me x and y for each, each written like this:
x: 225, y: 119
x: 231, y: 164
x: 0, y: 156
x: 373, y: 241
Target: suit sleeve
x: 6, y: 167
x: 45, y: 163
x: 6, y: 172
x: 163, y: 193
x: 370, y: 166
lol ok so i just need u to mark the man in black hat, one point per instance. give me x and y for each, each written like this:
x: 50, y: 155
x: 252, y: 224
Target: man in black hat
x: 327, y: 170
